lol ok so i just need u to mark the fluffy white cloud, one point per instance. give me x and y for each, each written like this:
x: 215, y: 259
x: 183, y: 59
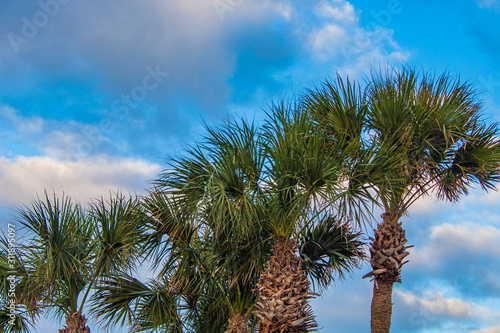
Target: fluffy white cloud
x: 326, y: 40
x: 436, y: 304
x: 448, y: 241
x: 341, y: 39
x: 63, y: 139
x: 376, y: 58
x: 429, y: 308
x: 426, y: 206
x: 107, y: 47
x: 22, y: 178
x: 338, y: 10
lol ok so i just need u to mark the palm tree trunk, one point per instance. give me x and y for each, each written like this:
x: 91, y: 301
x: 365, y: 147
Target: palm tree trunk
x: 283, y: 292
x: 75, y: 323
x: 387, y: 253
x: 381, y: 307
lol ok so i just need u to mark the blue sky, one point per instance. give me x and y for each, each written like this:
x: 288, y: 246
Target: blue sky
x: 96, y: 95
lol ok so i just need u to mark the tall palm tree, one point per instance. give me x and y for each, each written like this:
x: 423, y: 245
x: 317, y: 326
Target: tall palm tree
x: 301, y: 178
x: 432, y: 128
x: 213, y: 221
x: 69, y: 249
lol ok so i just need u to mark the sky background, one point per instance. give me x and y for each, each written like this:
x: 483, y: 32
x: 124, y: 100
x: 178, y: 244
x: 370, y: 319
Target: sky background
x: 95, y: 95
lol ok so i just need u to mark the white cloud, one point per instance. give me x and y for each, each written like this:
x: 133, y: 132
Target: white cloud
x: 480, y: 197
x: 477, y: 207
x: 436, y: 304
x: 65, y: 139
x: 432, y: 308
x: 285, y: 9
x: 22, y: 178
x: 87, y: 40
x: 339, y: 10
x: 325, y: 41
x: 376, y: 58
x: 76, y: 141
x: 339, y: 38
x: 23, y: 124
x: 453, y: 240
x: 174, y: 34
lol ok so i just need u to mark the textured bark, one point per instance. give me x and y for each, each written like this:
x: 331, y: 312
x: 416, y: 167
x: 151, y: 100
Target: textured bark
x: 75, y: 323
x: 237, y: 324
x: 381, y: 307
x: 283, y: 293
x: 388, y: 251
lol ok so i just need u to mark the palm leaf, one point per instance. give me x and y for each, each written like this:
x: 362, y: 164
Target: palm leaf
x: 330, y: 248
x: 122, y: 299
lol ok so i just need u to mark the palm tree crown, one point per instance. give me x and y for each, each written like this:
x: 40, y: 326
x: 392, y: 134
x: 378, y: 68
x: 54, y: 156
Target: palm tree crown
x: 426, y: 135
x: 67, y: 252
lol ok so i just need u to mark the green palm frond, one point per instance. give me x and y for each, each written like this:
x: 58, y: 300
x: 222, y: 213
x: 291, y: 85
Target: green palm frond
x: 338, y: 111
x: 389, y: 105
x: 220, y: 177
x: 167, y: 224
x: 59, y: 248
x: 151, y: 306
x: 210, y: 314
x: 364, y: 159
x: 434, y: 122
x: 60, y: 235
x: 476, y: 160
x: 117, y: 233
x: 215, y: 212
x: 300, y: 170
x: 375, y: 166
x: 330, y: 248
x: 22, y: 321
x: 27, y: 292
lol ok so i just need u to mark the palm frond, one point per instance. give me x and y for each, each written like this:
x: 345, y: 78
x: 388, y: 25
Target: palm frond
x: 476, y: 160
x: 117, y: 232
x: 433, y: 120
x: 330, y: 248
x: 59, y: 250
x: 19, y: 321
x: 338, y: 111
x: 122, y: 299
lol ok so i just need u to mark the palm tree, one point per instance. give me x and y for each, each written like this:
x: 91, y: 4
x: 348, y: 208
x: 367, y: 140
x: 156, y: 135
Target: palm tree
x: 56, y: 255
x: 431, y: 127
x: 193, y: 290
x: 203, y: 235
x: 213, y: 220
x: 301, y: 178
x: 70, y: 249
